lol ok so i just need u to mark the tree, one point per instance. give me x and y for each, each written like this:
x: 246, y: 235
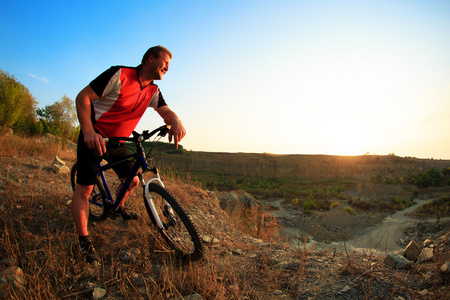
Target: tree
x: 17, y: 105
x: 59, y: 118
x: 432, y: 177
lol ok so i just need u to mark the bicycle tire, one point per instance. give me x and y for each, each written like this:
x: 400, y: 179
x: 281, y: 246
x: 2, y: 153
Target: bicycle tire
x: 96, y: 199
x: 179, y: 232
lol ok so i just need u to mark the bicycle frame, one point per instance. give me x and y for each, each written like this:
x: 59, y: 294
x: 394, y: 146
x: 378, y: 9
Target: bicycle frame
x: 139, y: 163
x: 103, y: 168
x: 165, y: 211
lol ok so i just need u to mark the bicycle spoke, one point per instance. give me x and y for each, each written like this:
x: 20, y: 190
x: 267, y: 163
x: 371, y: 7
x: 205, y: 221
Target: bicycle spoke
x: 178, y: 230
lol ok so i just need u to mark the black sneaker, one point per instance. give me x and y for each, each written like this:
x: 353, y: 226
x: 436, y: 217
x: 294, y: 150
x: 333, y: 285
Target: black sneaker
x: 89, y: 252
x: 126, y: 214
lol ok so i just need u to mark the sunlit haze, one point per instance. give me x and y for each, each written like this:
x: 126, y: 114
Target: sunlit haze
x: 284, y: 77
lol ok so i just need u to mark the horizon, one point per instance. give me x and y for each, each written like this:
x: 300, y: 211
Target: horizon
x: 319, y: 154
x: 293, y: 77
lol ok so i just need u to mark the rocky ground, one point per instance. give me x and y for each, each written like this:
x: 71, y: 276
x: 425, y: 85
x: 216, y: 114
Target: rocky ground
x: 314, y: 267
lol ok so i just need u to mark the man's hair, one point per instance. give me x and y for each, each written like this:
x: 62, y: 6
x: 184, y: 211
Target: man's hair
x: 155, y: 51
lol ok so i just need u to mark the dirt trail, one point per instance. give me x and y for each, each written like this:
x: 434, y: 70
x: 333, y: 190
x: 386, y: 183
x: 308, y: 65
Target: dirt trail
x: 382, y: 238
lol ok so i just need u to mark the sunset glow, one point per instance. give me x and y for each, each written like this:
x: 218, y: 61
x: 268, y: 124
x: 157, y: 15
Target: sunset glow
x: 286, y: 77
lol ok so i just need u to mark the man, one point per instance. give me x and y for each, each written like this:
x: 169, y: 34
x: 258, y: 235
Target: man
x: 112, y: 105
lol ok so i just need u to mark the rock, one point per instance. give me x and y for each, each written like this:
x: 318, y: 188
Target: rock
x: 127, y: 257
x: 237, y: 252
x: 59, y: 161
x: 135, y: 251
x: 345, y: 289
x: 423, y: 292
x: 142, y: 291
x: 278, y: 293
x: 445, y: 268
x: 396, y: 261
x: 427, y: 243
x: 425, y: 255
x: 13, y: 276
x: 60, y: 169
x: 59, y: 166
x: 412, y: 251
x: 391, y: 260
x: 98, y: 293
x: 209, y: 241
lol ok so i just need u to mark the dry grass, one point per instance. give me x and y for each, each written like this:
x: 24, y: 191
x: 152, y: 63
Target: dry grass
x: 38, y: 235
x: 12, y: 145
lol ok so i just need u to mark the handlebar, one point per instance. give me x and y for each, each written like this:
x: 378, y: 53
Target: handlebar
x: 139, y: 137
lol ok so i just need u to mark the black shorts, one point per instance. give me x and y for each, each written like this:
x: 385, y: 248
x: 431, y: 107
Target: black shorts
x: 88, y: 161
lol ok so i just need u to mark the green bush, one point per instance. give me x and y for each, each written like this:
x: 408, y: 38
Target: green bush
x: 17, y: 104
x: 309, y: 204
x: 295, y: 201
x: 438, y: 207
x: 334, y: 203
x: 432, y: 177
x: 349, y: 210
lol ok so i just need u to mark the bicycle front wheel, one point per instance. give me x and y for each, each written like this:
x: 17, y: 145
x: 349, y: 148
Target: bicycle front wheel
x: 175, y: 226
x: 96, y: 199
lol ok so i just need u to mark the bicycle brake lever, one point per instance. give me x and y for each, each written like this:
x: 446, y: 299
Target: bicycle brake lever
x: 164, y: 130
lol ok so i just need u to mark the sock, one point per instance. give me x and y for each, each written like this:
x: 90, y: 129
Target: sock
x: 84, y: 239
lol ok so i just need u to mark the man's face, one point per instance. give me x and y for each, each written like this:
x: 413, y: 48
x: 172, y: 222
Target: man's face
x: 159, y: 66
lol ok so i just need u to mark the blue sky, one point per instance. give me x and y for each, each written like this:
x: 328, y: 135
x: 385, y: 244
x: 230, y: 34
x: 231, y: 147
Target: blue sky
x: 287, y: 77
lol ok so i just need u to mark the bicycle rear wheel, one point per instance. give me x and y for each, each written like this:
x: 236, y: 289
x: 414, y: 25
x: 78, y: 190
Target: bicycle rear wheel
x: 176, y: 226
x: 96, y: 199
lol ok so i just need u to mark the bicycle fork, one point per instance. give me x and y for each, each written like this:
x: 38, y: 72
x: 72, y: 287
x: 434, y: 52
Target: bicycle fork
x: 168, y: 211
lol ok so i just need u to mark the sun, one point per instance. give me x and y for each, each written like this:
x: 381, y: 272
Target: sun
x: 346, y: 135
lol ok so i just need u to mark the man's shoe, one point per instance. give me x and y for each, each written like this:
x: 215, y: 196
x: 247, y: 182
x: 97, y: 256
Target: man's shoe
x: 89, y: 252
x: 126, y: 214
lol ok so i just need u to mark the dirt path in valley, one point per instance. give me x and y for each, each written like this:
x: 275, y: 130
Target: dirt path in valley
x: 382, y: 237
x: 385, y: 236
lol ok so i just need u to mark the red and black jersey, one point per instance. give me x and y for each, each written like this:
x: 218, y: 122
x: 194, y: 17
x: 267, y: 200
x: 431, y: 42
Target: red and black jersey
x: 122, y: 101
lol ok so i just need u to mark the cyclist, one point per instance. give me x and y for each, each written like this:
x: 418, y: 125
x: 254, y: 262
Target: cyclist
x: 112, y: 105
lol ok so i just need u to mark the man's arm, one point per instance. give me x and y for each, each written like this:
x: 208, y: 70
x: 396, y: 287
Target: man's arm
x: 83, y: 102
x: 177, y: 130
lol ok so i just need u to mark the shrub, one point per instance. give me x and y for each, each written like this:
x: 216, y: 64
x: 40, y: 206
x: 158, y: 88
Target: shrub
x: 334, y: 203
x: 390, y: 180
x: 17, y: 104
x: 295, y: 201
x: 349, y: 210
x: 432, y: 177
x: 438, y: 207
x: 309, y: 204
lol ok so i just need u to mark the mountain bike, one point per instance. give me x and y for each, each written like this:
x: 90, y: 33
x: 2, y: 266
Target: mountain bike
x: 171, y: 220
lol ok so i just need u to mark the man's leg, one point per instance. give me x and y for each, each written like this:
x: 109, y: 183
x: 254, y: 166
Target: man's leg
x: 80, y: 215
x: 80, y: 208
x: 127, y: 215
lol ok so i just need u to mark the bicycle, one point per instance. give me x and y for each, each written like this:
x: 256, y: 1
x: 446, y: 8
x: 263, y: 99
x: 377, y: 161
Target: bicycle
x: 173, y: 223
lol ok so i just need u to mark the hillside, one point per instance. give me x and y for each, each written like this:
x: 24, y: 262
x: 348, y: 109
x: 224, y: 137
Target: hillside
x: 300, y: 166
x: 39, y: 258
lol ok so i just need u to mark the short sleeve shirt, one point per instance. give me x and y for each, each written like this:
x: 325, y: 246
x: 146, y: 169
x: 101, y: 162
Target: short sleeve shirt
x: 122, y: 101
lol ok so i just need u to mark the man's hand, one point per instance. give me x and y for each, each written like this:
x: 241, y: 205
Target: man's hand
x: 177, y: 132
x: 83, y: 102
x: 95, y: 141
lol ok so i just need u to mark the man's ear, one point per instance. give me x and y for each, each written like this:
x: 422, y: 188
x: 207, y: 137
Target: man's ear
x: 151, y: 57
